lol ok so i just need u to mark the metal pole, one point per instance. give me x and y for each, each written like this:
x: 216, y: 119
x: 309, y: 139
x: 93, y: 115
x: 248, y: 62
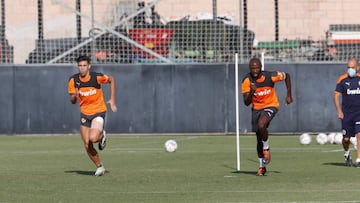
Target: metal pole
x: 93, y: 44
x: 40, y: 42
x: 245, y: 38
x: 216, y: 36
x: 276, y: 8
x: 214, y: 10
x: 276, y: 20
x: 78, y: 20
x: 241, y: 25
x: 3, y: 36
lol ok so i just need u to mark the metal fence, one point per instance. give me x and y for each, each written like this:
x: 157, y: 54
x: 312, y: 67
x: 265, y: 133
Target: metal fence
x: 178, y: 31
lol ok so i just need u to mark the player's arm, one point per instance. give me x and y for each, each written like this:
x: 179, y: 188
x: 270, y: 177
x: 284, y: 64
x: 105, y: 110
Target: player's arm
x: 337, y: 96
x: 289, y: 98
x: 73, y: 92
x: 73, y: 98
x: 112, y: 100
x: 248, y: 93
x: 247, y: 98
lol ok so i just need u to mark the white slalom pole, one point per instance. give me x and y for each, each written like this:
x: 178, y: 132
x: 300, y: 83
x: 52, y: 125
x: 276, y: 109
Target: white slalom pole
x: 237, y: 111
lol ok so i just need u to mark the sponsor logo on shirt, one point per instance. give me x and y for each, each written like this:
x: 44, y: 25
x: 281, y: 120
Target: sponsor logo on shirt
x: 264, y: 92
x: 87, y: 93
x: 352, y: 92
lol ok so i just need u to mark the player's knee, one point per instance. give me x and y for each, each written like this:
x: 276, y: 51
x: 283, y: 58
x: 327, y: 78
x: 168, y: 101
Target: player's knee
x: 346, y: 140
x: 262, y: 126
x: 86, y: 145
x: 89, y: 147
x: 94, y: 135
x: 93, y: 138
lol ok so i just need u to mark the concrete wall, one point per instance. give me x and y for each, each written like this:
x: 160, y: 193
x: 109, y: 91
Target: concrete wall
x: 165, y: 99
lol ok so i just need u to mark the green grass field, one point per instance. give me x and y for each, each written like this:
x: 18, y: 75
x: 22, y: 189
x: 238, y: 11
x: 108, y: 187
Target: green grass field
x: 203, y: 170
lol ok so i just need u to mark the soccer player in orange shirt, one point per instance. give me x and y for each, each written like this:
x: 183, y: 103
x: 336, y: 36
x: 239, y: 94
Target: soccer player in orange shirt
x: 258, y: 89
x: 85, y: 87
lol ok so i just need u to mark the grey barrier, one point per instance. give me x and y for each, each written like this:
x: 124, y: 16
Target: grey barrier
x: 162, y: 98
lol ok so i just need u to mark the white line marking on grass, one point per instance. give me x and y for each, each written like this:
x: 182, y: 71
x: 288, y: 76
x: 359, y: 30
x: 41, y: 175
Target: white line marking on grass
x: 335, y: 150
x: 135, y: 149
x: 303, y: 201
x: 237, y: 191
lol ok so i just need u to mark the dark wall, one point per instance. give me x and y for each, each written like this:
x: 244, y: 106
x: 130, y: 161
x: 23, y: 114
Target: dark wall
x: 188, y: 98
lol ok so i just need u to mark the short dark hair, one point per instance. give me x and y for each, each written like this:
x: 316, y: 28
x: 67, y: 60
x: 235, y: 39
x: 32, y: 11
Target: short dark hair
x: 83, y: 58
x: 255, y: 61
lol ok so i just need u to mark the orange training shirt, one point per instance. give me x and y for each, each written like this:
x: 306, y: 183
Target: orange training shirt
x: 90, y: 93
x: 265, y: 94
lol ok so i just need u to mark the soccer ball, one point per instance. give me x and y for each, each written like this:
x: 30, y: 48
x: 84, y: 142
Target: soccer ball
x: 170, y: 146
x: 331, y: 138
x: 305, y: 139
x: 338, y: 138
x: 321, y: 138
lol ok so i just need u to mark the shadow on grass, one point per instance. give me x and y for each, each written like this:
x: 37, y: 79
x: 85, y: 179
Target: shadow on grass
x: 254, y: 172
x: 335, y: 164
x: 87, y: 173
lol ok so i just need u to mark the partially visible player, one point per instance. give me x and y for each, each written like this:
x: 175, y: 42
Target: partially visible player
x: 348, y: 89
x: 85, y: 87
x: 258, y: 89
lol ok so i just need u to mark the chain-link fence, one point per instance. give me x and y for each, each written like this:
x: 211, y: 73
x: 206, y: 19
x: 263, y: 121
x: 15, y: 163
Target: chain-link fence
x: 178, y: 31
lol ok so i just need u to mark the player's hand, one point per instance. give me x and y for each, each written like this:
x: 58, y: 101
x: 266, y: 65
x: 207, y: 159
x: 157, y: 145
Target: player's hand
x: 253, y: 87
x: 74, y: 97
x: 288, y: 100
x: 340, y: 115
x: 112, y: 105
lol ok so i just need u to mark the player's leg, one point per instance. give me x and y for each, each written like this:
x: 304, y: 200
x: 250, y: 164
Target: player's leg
x: 264, y: 135
x: 263, y: 131
x: 348, y: 129
x: 346, y: 147
x: 91, y: 151
x: 96, y: 128
x: 259, y: 145
x: 263, y: 123
x: 356, y: 132
x: 259, y: 148
x: 85, y: 132
x: 97, y: 132
x: 357, y: 135
x: 254, y: 123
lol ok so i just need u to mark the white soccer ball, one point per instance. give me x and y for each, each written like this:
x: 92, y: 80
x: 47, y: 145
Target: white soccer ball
x: 170, y: 146
x: 331, y: 138
x: 338, y: 138
x: 321, y: 138
x: 305, y: 138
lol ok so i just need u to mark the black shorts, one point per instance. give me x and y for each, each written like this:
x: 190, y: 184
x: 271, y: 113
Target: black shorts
x: 86, y: 120
x: 269, y: 112
x: 350, y: 124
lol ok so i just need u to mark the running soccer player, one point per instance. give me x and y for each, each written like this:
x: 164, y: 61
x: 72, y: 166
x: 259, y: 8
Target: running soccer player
x: 85, y: 87
x: 348, y: 88
x: 258, y: 89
